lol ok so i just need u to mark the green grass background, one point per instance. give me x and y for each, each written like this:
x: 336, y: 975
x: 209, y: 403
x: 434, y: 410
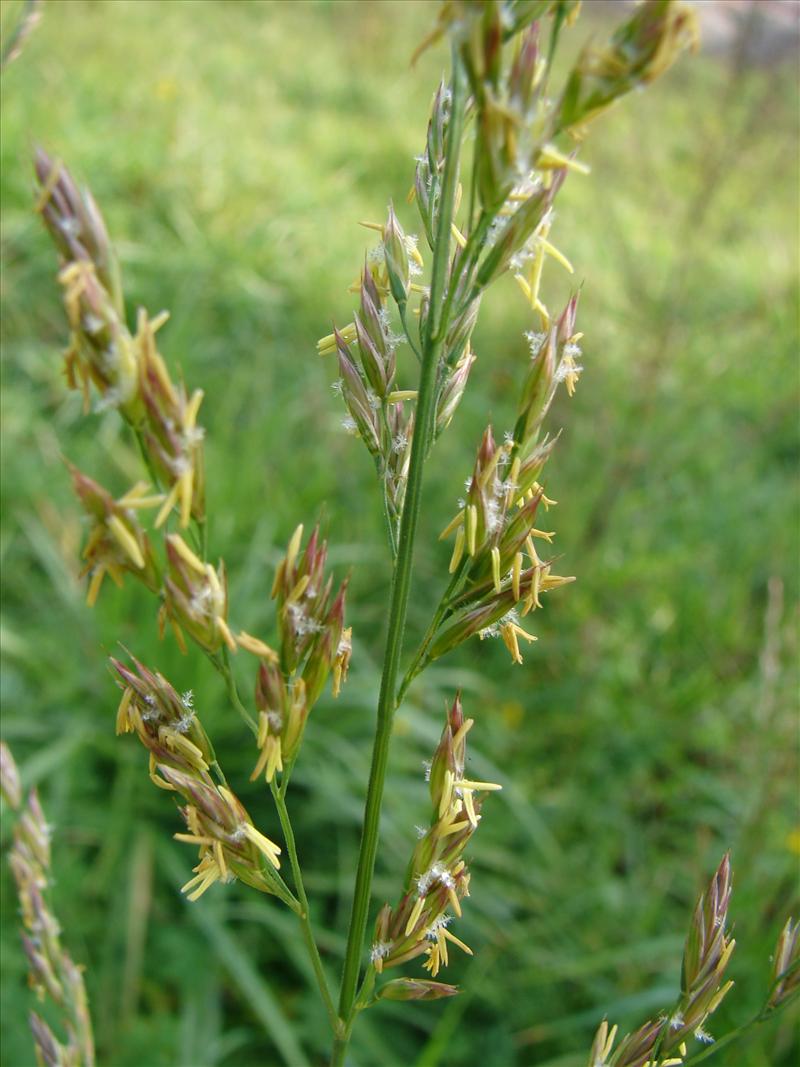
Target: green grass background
x: 233, y: 147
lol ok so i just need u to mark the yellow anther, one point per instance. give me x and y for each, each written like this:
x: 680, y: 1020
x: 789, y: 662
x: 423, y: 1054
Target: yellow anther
x: 452, y: 525
x: 294, y: 547
x: 496, y: 568
x: 126, y: 541
x: 472, y: 528
x: 457, y: 941
x: 551, y: 159
x: 413, y: 918
x: 458, y: 551
x: 516, y: 571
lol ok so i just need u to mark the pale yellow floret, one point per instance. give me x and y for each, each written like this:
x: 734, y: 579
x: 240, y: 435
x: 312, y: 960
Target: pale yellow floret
x: 185, y: 490
x: 208, y: 872
x: 116, y: 574
x: 219, y: 856
x: 726, y: 955
x: 168, y: 505
x: 478, y: 787
x: 269, y: 758
x: 551, y: 250
x: 432, y: 963
x: 455, y: 903
x: 553, y: 581
x: 277, y: 580
x: 327, y: 345
x: 447, y: 793
x: 551, y: 159
x: 462, y: 732
x: 186, y: 554
x: 294, y: 547
x: 535, y: 276
x: 457, y: 941
x: 469, y: 808
x: 192, y: 408
x: 195, y: 839
x: 516, y: 572
x: 94, y: 585
x: 300, y: 587
x: 441, y: 944
x: 721, y: 993
x: 496, y: 568
x: 178, y: 743
x: 488, y: 471
x: 125, y: 539
x: 256, y: 646
x: 413, y: 918
x: 227, y: 636
x: 160, y: 320
x: 137, y: 497
x: 156, y: 779
x: 472, y: 528
x: 124, y: 722
x: 458, y: 551
x: 399, y: 395
x: 452, y: 525
x: 268, y: 848
x: 510, y: 632
x: 548, y: 503
x: 275, y: 759
x: 521, y: 281
x: 453, y: 828
x: 458, y: 236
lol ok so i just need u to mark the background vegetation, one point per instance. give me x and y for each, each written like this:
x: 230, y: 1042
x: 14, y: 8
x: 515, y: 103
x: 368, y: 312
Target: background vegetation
x: 233, y: 147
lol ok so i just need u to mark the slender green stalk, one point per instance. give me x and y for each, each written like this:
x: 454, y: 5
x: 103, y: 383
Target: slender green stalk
x: 401, y: 582
x: 303, y: 915
x: 417, y: 663
x: 223, y: 665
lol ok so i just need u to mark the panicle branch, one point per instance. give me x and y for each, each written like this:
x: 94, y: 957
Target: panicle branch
x: 125, y: 369
x: 181, y: 758
x: 52, y: 973
x: 313, y: 643
x: 437, y: 878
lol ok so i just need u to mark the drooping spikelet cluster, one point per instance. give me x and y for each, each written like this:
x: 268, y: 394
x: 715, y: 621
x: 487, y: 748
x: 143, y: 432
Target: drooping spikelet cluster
x: 127, y: 372
x: 52, y: 972
x: 195, y: 598
x: 180, y: 760
x: 498, y: 573
x: 117, y: 543
x: 366, y: 348
x: 125, y: 369
x: 662, y: 1042
x: 437, y: 878
x: 313, y: 643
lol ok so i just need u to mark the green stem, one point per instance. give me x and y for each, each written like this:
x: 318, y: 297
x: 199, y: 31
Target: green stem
x: 435, y: 329
x: 303, y: 915
x: 382, y: 474
x: 223, y: 665
x: 417, y: 663
x: 403, y: 309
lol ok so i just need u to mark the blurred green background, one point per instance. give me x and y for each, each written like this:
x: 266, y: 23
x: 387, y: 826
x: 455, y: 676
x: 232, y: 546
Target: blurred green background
x: 233, y: 148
